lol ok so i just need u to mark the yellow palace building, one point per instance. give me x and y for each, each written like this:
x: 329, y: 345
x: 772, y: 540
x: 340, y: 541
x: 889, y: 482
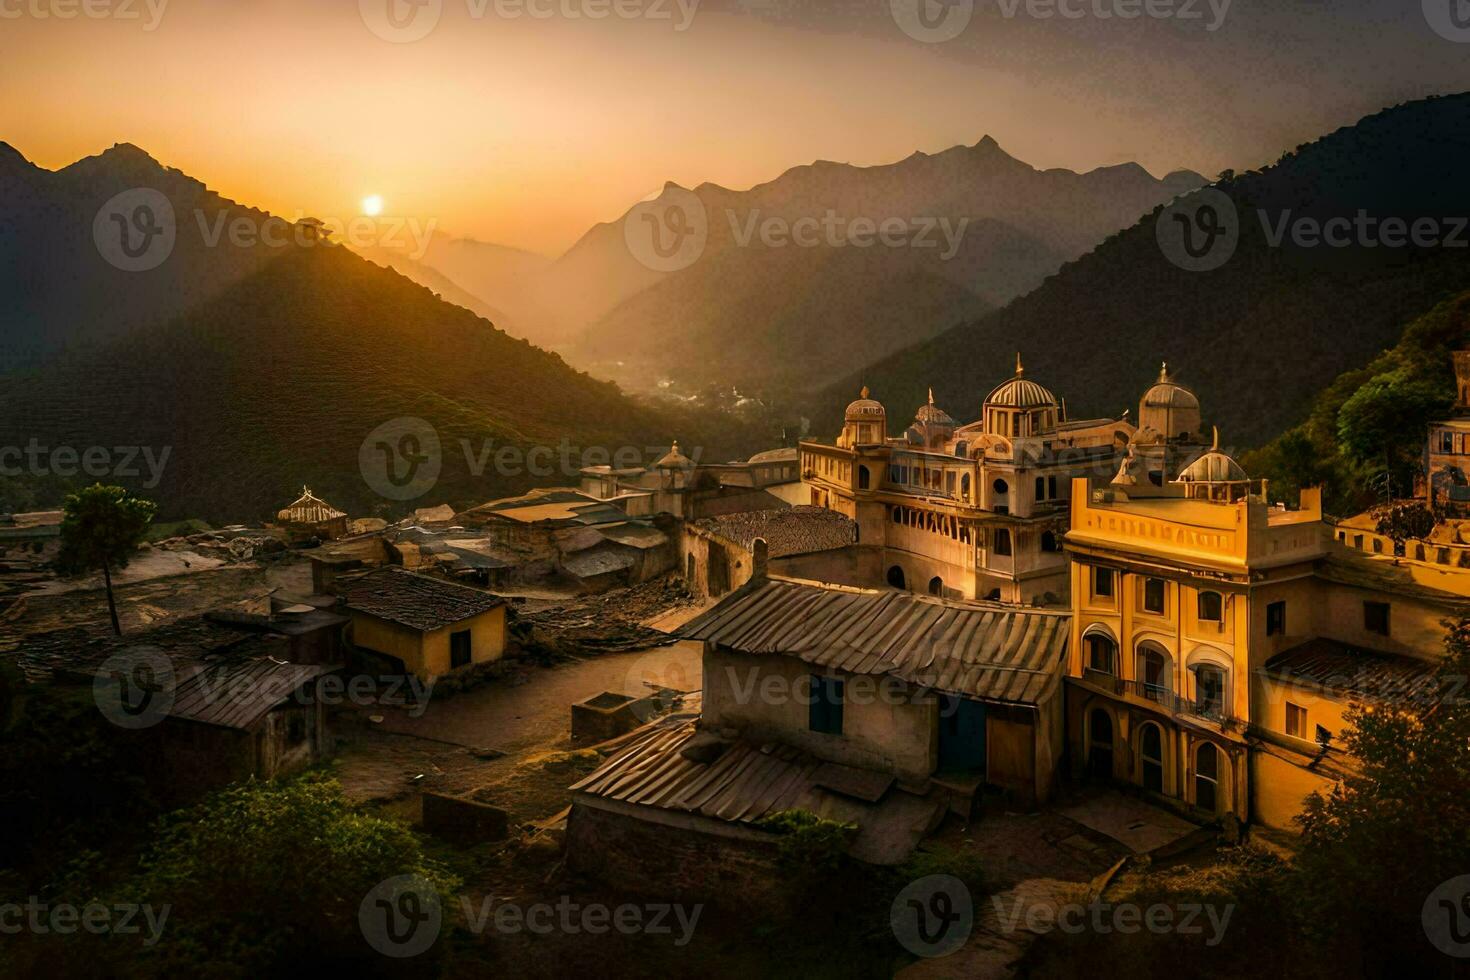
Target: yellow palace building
x: 1217, y: 639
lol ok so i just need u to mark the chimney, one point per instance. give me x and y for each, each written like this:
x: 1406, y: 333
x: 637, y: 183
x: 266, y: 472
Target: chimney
x: 759, y: 552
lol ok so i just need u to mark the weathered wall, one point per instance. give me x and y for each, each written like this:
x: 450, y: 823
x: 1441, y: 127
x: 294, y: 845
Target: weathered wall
x: 886, y: 725
x: 674, y: 857
x: 1278, y: 789
x: 426, y: 655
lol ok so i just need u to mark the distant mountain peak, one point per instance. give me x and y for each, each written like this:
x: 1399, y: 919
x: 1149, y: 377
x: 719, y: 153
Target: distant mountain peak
x: 989, y: 145
x: 12, y: 159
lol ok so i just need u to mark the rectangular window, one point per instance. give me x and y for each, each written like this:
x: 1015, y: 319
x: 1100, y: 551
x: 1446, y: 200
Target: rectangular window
x: 459, y: 648
x: 1102, y: 582
x: 1296, y: 720
x: 826, y: 707
x: 1051, y: 487
x: 1446, y: 442
x: 1276, y: 618
x: 1153, y: 595
x: 1375, y: 617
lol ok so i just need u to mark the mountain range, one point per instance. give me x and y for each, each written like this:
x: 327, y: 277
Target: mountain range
x: 259, y: 363
x: 760, y: 310
x: 1258, y: 336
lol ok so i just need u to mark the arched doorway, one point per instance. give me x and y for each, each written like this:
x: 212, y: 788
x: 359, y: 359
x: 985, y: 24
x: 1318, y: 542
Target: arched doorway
x: 1151, y: 739
x: 863, y: 478
x: 896, y: 579
x: 1207, y: 777
x: 1100, y: 745
x: 1152, y: 670
x: 936, y: 586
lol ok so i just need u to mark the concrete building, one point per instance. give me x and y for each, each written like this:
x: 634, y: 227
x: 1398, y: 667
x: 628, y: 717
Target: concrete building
x: 691, y: 488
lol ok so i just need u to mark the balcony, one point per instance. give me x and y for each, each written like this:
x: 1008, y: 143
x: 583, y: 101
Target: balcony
x: 1208, y: 709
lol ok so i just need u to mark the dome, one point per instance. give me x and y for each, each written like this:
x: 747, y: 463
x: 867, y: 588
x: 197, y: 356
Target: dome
x: 1170, y: 408
x: 864, y: 408
x: 932, y: 414
x: 1020, y: 392
x: 787, y: 455
x: 1213, y: 467
x: 674, y: 460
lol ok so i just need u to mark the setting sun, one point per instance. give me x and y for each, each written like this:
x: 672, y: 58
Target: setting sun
x: 372, y: 205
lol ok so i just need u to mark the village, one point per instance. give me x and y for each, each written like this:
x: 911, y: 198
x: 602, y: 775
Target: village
x: 1063, y: 649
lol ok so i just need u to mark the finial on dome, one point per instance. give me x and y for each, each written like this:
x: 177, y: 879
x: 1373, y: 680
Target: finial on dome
x: 1019, y: 369
x: 1164, y: 372
x: 1215, y: 445
x: 305, y: 490
x: 675, y: 447
x: 931, y: 396
x: 864, y: 393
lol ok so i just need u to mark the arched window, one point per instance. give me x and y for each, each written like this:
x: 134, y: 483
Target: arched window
x: 965, y: 486
x: 1211, y: 607
x: 1049, y: 541
x: 1002, y: 541
x: 936, y: 586
x: 1151, y: 751
x: 1153, y: 671
x: 1041, y: 488
x: 895, y: 578
x: 1207, y: 777
x: 1102, y: 652
x: 1209, y: 691
x: 863, y: 478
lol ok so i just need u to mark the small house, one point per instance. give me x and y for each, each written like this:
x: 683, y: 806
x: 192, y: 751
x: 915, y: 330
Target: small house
x: 308, y: 516
x: 425, y: 626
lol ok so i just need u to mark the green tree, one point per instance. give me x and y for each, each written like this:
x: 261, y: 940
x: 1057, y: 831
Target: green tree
x: 1380, y: 842
x: 1385, y: 422
x: 101, y: 527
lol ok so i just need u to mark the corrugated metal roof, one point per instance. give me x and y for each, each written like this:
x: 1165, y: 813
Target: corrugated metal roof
x: 981, y: 650
x: 238, y: 692
x: 1370, y: 675
x: 745, y: 783
x: 749, y: 780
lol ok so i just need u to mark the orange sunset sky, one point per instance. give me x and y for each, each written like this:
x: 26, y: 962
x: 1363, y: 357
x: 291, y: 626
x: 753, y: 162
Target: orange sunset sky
x: 525, y: 131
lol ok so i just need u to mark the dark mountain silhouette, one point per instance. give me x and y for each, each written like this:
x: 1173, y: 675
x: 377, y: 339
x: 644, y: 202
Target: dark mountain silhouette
x: 1257, y: 337
x: 263, y: 370
x: 756, y: 315
x: 773, y: 316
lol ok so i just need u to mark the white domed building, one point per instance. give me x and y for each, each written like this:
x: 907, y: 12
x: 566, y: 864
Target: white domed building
x: 974, y: 510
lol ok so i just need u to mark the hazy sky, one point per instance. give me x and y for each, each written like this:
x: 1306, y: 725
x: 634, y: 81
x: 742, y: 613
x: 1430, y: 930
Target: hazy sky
x: 526, y: 129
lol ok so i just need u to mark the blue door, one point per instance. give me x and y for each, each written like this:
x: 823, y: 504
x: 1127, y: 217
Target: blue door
x: 961, y: 734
